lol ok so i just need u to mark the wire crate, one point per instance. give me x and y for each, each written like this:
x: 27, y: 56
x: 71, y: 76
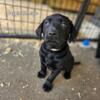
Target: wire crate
x: 21, y: 17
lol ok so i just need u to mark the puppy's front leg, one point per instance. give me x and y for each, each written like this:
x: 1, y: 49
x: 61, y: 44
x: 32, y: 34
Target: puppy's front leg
x: 42, y: 73
x: 67, y: 74
x: 48, y: 84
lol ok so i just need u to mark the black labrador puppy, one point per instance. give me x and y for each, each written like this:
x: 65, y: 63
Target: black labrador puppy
x: 55, y: 54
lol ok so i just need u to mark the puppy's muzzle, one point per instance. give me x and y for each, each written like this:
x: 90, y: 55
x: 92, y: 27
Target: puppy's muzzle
x: 52, y: 31
x: 52, y: 34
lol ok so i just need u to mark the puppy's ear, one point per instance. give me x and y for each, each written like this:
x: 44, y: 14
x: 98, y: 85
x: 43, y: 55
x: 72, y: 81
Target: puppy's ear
x: 39, y: 30
x: 72, y: 33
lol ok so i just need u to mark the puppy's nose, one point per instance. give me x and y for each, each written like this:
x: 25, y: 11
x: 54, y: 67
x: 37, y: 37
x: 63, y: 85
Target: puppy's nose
x: 52, y: 34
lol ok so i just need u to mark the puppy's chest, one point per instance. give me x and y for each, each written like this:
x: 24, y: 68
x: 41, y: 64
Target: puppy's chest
x: 51, y: 61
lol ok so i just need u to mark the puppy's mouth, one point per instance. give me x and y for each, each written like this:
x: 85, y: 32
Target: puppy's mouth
x: 54, y: 45
x: 52, y: 41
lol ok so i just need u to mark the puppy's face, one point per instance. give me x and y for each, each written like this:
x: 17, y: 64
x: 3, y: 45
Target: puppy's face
x: 56, y: 30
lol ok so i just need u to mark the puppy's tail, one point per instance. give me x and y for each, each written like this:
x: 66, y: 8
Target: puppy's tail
x: 77, y: 63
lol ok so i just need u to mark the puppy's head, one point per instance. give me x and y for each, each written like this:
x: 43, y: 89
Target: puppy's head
x: 56, y: 30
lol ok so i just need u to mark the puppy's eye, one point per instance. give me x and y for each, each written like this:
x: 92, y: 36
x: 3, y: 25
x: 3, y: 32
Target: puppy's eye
x: 64, y: 24
x: 46, y: 22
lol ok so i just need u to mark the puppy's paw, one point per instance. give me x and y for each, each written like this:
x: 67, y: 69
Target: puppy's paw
x: 67, y: 75
x: 41, y: 74
x: 47, y: 87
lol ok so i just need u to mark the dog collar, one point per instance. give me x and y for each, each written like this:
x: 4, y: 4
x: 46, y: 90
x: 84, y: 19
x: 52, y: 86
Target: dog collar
x: 55, y: 49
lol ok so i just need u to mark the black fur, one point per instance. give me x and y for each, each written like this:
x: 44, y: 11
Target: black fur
x: 98, y: 49
x: 57, y: 30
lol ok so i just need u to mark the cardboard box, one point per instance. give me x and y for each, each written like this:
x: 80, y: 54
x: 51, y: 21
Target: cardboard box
x: 73, y: 5
x: 94, y: 2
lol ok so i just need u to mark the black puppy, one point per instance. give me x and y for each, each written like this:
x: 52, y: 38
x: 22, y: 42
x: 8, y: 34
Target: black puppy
x: 54, y: 52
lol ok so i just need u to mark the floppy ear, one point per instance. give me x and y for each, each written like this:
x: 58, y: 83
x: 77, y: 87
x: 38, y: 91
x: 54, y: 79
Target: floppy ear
x: 39, y: 30
x: 72, y: 32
